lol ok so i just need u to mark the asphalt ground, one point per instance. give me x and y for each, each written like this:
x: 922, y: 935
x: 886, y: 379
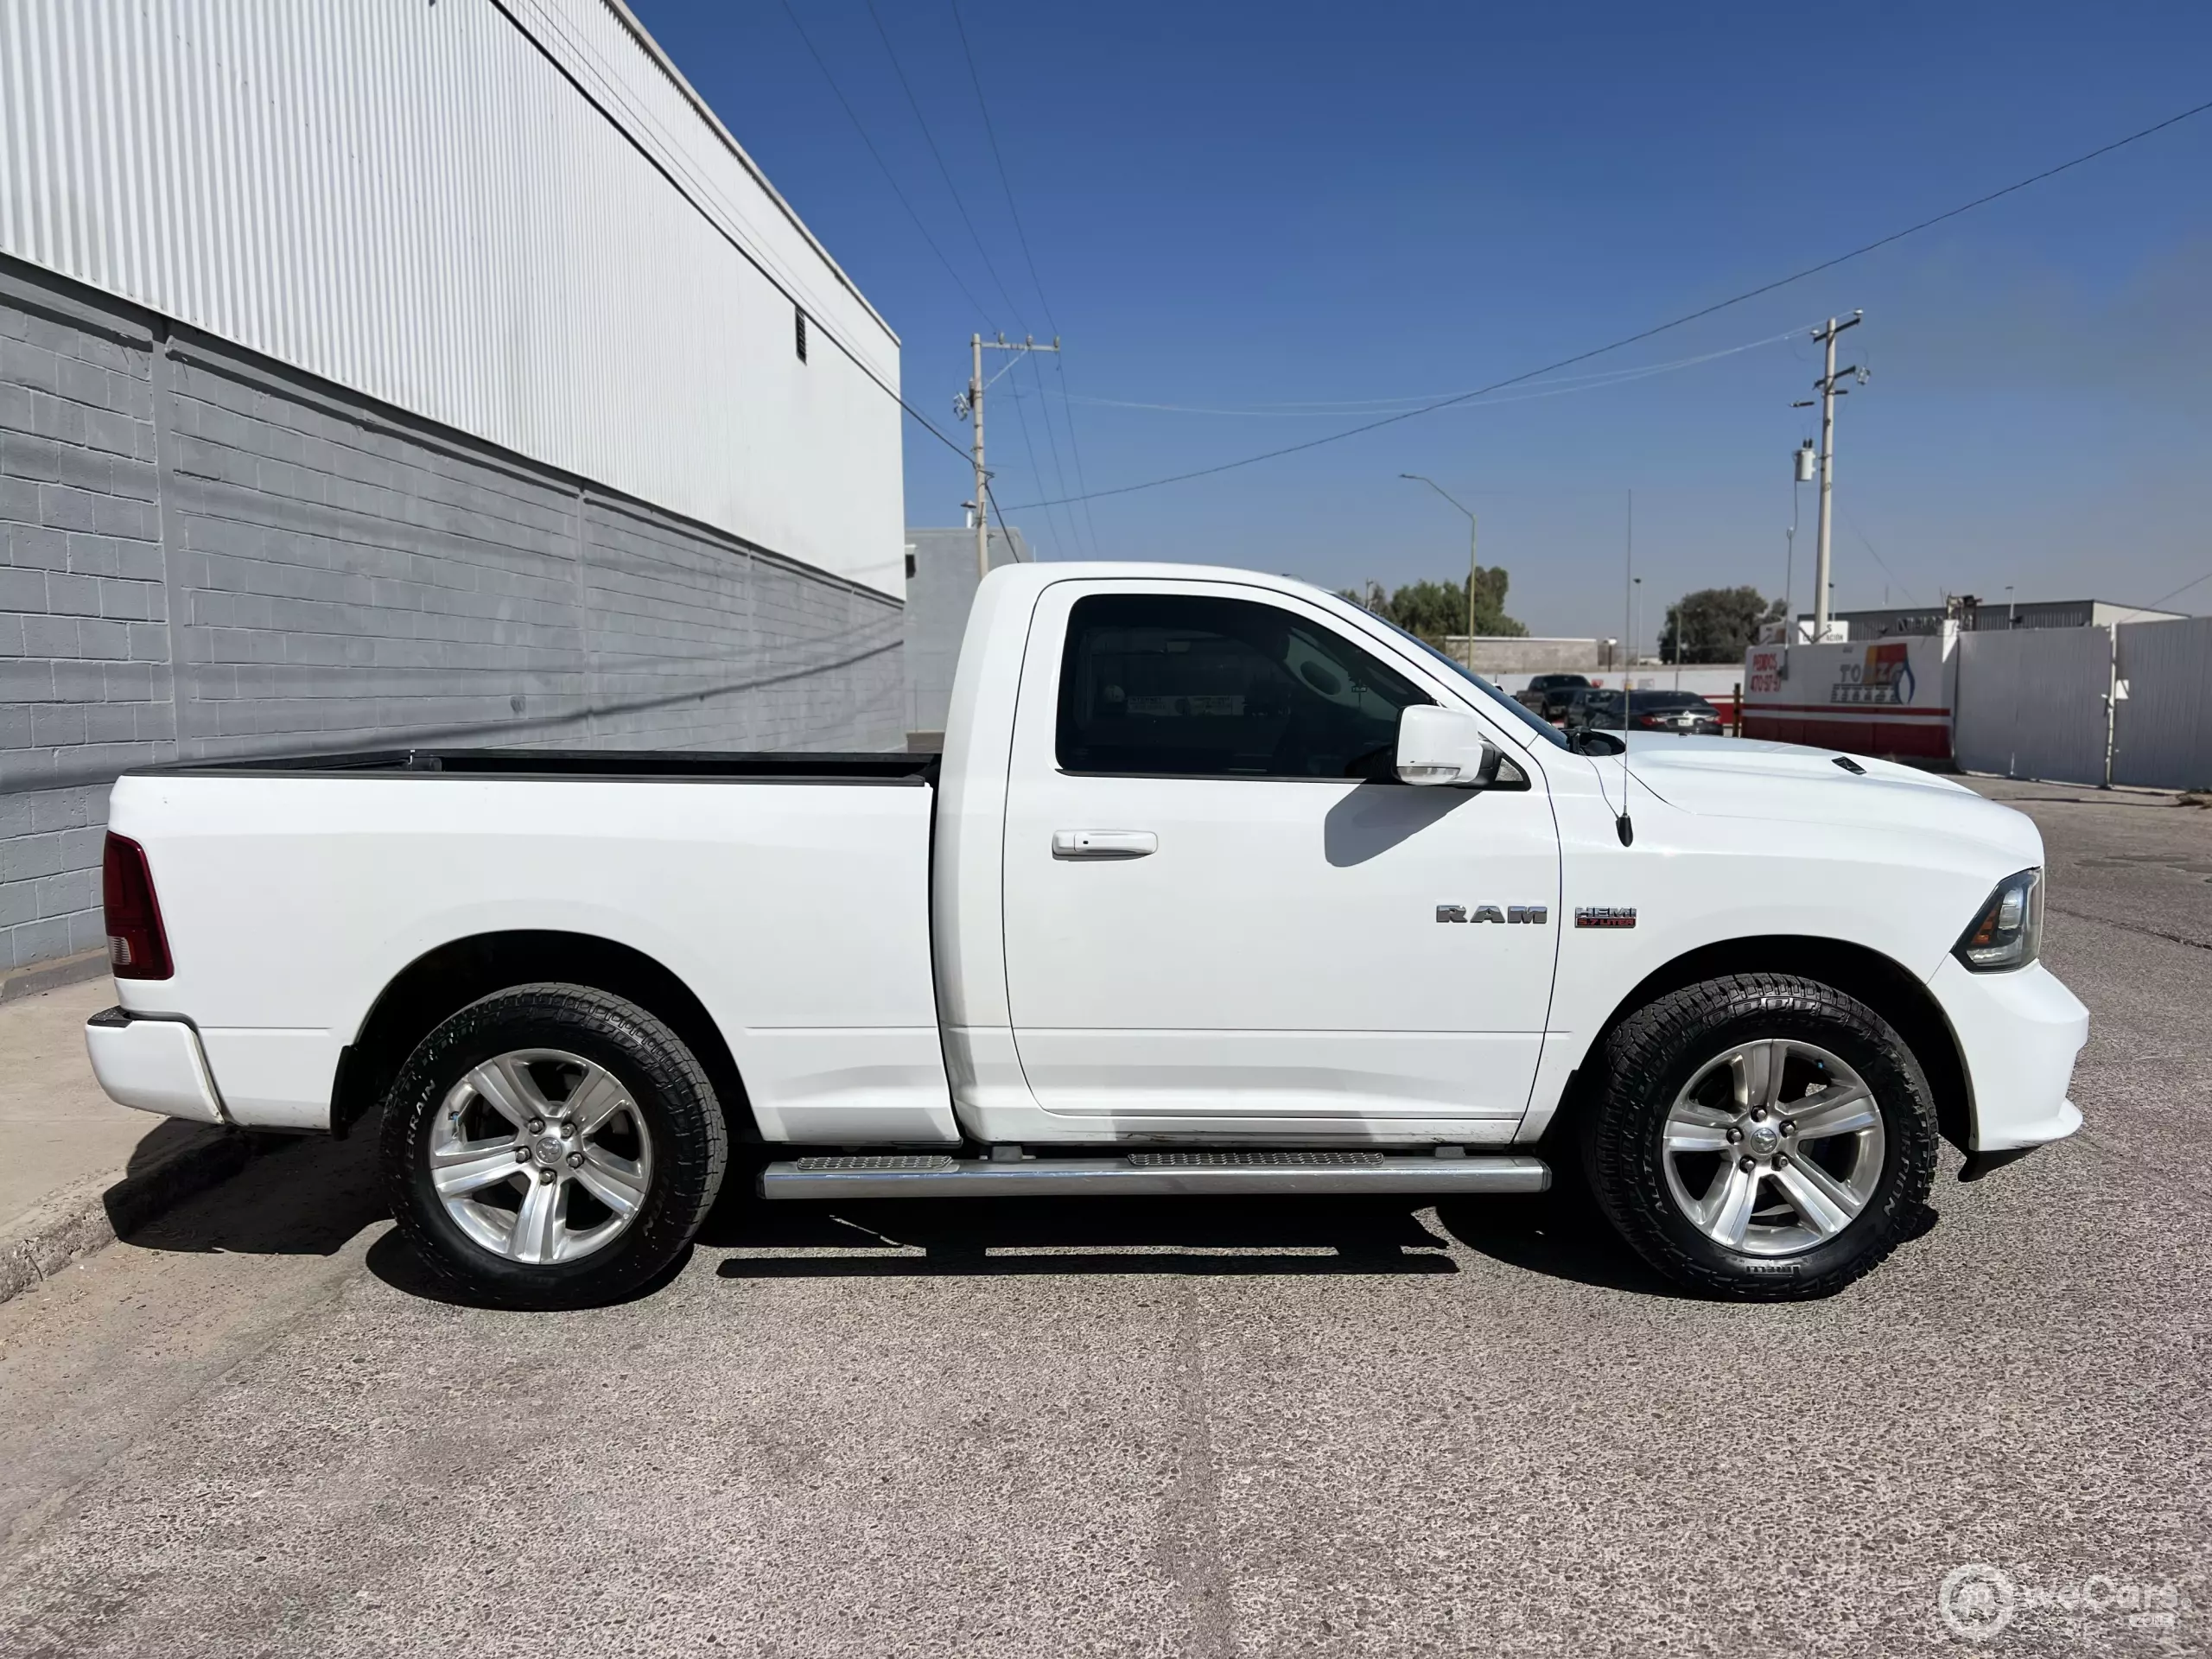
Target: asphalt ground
x: 1280, y: 1428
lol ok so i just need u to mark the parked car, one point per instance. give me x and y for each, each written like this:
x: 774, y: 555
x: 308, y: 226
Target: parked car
x: 1682, y: 712
x: 1580, y: 708
x: 1221, y: 886
x: 1550, y: 693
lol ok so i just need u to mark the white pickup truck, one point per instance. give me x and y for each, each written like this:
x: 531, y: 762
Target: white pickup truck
x: 1221, y: 886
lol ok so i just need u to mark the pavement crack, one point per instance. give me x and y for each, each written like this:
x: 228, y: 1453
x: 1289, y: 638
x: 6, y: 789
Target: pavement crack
x: 1191, y: 1516
x: 2134, y: 927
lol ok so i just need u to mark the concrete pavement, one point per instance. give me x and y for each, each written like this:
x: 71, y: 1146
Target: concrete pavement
x: 80, y: 1169
x: 1287, y: 1429
x: 59, y: 1128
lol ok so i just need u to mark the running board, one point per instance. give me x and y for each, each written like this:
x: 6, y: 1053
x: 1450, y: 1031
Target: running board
x: 1149, y: 1174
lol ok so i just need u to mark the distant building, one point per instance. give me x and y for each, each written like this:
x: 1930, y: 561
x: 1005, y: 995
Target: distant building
x: 1518, y: 653
x: 941, y: 583
x: 1984, y: 615
x: 393, y: 373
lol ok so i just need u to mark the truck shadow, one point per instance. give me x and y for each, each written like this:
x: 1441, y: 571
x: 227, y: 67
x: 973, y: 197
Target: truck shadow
x: 1557, y: 1235
x: 312, y: 1196
x: 891, y: 1238
x: 1560, y: 1233
x: 252, y: 1194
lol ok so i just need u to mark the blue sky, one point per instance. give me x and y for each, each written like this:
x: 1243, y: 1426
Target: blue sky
x: 1237, y: 205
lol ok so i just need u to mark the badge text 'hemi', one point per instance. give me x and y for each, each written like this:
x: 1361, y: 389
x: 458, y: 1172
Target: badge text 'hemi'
x: 1534, y: 915
x: 1605, y: 916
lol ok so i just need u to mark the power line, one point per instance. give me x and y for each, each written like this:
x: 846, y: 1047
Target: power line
x: 991, y: 132
x: 1021, y: 235
x: 1659, y: 328
x: 1075, y: 447
x: 1021, y: 414
x: 913, y: 103
x: 1910, y: 596
x: 2178, y: 592
x: 1060, y: 368
x: 1565, y: 384
x: 693, y: 191
x: 982, y: 310
x: 1021, y: 420
x: 1052, y: 441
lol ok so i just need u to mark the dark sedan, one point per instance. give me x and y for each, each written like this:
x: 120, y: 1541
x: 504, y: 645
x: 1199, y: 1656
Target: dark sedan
x: 1684, y: 713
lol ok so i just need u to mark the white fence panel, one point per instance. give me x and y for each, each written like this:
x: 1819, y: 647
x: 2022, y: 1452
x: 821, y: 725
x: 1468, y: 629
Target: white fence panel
x: 2163, y: 735
x: 2030, y: 703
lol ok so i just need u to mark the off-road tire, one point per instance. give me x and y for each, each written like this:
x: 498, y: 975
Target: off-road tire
x: 691, y: 1140
x: 1647, y: 1059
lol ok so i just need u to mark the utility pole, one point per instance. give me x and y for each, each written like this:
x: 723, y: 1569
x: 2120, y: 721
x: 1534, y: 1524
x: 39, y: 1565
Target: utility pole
x: 983, y: 478
x: 1422, y: 478
x: 970, y: 407
x: 1825, y: 386
x: 1789, y: 584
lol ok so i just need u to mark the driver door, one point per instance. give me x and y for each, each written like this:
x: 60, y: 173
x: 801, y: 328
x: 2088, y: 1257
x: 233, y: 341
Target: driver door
x: 1224, y: 915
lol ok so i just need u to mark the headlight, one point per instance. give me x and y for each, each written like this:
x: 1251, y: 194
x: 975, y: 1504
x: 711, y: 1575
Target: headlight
x: 2008, y: 932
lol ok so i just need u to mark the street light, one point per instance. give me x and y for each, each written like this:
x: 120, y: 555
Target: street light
x: 1421, y: 478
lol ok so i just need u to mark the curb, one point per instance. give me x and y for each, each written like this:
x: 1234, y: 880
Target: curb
x: 45, y: 975
x: 90, y: 1215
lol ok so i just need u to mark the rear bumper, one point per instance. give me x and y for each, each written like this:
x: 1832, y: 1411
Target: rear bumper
x: 2019, y: 1033
x: 157, y: 1065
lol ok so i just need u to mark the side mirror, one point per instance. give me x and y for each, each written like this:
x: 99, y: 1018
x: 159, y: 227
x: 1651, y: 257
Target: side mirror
x: 1445, y: 746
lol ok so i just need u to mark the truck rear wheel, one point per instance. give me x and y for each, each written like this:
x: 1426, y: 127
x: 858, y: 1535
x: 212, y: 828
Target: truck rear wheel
x: 1760, y: 1136
x: 552, y: 1145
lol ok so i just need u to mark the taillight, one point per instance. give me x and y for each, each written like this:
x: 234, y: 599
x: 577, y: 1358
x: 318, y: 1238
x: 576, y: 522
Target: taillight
x: 137, y: 946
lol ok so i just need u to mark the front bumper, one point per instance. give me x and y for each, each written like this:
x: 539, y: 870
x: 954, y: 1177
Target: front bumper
x: 157, y: 1065
x: 2018, y: 1034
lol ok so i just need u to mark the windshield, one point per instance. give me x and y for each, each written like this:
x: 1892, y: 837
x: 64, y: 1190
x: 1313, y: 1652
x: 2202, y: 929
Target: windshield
x: 1544, y: 728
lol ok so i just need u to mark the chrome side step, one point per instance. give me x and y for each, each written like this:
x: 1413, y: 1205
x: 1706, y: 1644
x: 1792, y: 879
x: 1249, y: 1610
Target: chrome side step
x: 1149, y: 1174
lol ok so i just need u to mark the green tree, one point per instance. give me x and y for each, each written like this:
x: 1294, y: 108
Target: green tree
x: 1434, y: 609
x: 1715, y: 625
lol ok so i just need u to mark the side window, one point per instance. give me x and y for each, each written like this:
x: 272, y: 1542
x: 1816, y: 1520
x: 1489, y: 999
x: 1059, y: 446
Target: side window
x: 1190, y: 686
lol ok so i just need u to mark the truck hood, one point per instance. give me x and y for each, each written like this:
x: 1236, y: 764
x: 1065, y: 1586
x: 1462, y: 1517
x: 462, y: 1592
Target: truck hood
x: 1739, y: 778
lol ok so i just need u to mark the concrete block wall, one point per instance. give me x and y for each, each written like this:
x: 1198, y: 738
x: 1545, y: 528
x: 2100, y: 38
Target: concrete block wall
x: 203, y: 553
x: 85, y: 678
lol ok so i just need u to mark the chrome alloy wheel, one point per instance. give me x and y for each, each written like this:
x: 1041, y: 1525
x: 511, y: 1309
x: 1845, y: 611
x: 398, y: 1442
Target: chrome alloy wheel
x: 1773, y: 1148
x: 541, y: 1156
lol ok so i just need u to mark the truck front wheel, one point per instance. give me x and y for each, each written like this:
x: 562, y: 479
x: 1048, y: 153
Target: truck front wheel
x: 1760, y: 1136
x: 552, y: 1145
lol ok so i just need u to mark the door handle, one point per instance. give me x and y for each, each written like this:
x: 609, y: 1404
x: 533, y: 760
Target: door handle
x: 1104, y: 843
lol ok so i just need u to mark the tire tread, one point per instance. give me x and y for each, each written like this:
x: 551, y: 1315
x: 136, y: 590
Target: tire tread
x: 690, y: 1170
x: 1639, y: 1059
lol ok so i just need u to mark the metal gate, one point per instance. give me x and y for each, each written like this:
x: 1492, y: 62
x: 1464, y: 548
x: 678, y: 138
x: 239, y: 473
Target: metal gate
x: 2162, y: 731
x: 2030, y: 702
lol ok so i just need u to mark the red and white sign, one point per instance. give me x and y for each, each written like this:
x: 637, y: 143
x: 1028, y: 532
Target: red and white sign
x: 1882, y: 696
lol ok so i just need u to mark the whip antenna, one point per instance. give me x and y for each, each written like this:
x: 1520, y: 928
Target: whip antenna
x: 1622, y: 827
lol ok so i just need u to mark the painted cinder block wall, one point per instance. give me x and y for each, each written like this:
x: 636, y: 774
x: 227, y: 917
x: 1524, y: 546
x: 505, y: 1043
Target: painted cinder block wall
x: 204, y: 553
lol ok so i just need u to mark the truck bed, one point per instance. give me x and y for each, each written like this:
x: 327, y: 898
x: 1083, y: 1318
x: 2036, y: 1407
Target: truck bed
x: 787, y: 894
x: 663, y: 765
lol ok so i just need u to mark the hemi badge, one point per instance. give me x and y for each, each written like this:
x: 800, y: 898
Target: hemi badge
x: 1605, y: 916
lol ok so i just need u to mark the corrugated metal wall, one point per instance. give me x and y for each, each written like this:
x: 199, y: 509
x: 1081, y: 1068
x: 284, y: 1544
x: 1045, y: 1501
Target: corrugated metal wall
x: 2163, y: 731
x: 418, y: 202
x: 2032, y: 703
